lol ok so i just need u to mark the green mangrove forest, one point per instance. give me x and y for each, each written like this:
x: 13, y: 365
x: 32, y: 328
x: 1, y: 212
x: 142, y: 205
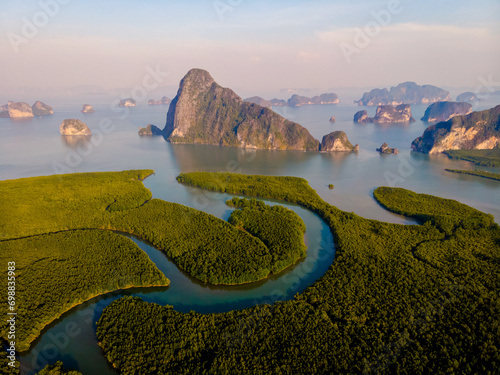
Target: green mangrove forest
x: 484, y: 174
x: 487, y: 158
x: 405, y: 299
x: 58, y: 231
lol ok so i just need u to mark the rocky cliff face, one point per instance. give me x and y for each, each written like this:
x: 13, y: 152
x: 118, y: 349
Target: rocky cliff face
x: 337, y: 141
x: 260, y: 101
x: 297, y: 100
x: 42, y: 109
x: 443, y: 111
x: 205, y: 112
x: 74, y: 127
x: 475, y: 131
x: 386, y: 114
x: 404, y: 93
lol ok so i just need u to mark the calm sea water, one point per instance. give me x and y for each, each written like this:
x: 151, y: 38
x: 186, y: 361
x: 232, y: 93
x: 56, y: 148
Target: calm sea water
x: 34, y: 147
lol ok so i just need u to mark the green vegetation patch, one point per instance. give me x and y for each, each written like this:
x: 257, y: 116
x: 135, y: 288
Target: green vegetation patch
x: 485, y: 174
x: 61, y: 265
x: 407, y: 299
x: 446, y: 214
x: 204, y: 246
x: 55, y: 272
x: 38, y: 205
x: 280, y: 229
x: 487, y: 158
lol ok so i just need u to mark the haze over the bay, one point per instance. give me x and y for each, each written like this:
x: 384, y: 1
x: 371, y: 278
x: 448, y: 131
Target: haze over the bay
x: 255, y: 47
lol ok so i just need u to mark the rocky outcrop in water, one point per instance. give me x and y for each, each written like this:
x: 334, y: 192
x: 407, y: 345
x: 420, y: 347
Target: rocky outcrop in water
x: 41, y: 109
x: 333, y: 119
x: 443, y: 111
x: 385, y: 149
x: 129, y: 102
x: 16, y: 110
x: 87, y: 108
x: 74, y: 127
x: 404, y: 93
x: 361, y: 117
x: 336, y: 141
x: 297, y: 100
x: 468, y: 97
x: 386, y: 114
x: 260, y: 101
x: 150, y: 130
x: 475, y: 131
x: 391, y: 114
x: 205, y: 112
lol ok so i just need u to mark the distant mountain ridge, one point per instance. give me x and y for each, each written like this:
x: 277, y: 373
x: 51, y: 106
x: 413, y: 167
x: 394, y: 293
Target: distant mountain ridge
x: 404, y: 93
x: 295, y: 100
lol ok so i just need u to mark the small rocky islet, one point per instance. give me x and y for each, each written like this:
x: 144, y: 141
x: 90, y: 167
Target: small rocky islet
x: 385, y: 149
x: 73, y: 127
x: 337, y: 141
x: 87, y: 108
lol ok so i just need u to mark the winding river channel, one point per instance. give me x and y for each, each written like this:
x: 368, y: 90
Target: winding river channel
x: 72, y: 338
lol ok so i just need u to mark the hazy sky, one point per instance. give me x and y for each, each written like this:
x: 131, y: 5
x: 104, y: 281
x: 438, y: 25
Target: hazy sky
x: 252, y: 46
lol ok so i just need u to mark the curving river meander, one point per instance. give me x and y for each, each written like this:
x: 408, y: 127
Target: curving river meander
x: 72, y: 338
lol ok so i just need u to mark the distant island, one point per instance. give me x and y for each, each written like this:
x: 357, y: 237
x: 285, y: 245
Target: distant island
x: 87, y: 108
x: 129, y: 102
x: 295, y: 100
x: 163, y: 101
x: 468, y: 97
x: 386, y: 114
x: 443, y: 111
x: 23, y: 110
x: 404, y: 93
x: 205, y: 112
x: 475, y: 131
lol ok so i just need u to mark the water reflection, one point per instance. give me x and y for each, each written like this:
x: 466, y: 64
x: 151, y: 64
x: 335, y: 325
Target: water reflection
x: 76, y: 142
x: 237, y: 160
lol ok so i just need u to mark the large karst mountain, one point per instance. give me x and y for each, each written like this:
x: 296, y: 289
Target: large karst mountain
x: 205, y: 112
